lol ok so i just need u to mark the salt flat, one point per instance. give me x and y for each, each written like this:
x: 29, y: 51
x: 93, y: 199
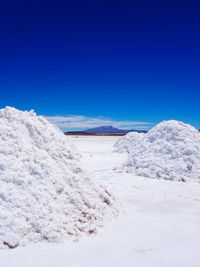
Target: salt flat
x: 159, y: 225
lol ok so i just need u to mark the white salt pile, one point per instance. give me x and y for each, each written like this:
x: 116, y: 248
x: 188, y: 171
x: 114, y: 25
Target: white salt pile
x: 44, y: 193
x: 171, y: 151
x: 128, y: 142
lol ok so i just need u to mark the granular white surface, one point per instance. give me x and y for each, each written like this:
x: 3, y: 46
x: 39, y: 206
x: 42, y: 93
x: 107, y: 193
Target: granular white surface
x: 171, y: 151
x: 44, y: 193
x: 128, y: 142
x: 159, y: 226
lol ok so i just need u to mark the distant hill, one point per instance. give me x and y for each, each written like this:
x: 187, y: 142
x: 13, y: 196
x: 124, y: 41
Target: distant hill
x: 110, y: 129
x: 104, y: 130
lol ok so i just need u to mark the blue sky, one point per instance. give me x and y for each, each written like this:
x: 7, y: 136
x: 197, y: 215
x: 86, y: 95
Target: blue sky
x: 88, y: 63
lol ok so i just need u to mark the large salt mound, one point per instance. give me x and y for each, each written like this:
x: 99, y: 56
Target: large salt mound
x: 171, y: 151
x: 128, y: 142
x: 44, y: 193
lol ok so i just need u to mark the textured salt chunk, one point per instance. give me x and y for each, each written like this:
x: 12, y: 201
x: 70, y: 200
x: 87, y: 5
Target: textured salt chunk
x: 170, y: 150
x: 127, y: 142
x: 44, y: 193
x: 11, y: 241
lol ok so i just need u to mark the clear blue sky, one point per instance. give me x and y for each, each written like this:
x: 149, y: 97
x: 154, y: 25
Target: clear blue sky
x: 123, y: 60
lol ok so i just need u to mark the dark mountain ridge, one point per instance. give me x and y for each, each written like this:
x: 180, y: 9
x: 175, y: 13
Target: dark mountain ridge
x: 104, y: 130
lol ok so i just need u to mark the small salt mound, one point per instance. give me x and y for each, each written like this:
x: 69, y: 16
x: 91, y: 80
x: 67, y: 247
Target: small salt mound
x: 44, y: 193
x: 171, y: 151
x: 128, y: 142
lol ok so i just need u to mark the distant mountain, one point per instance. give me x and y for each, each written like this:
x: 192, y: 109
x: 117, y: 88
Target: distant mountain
x: 109, y: 129
x: 105, y: 129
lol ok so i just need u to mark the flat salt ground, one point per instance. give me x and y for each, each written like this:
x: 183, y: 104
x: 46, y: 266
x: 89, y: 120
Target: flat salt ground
x: 160, y: 226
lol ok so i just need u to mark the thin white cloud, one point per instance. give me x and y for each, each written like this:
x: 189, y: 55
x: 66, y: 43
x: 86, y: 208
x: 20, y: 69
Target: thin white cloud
x: 79, y: 122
